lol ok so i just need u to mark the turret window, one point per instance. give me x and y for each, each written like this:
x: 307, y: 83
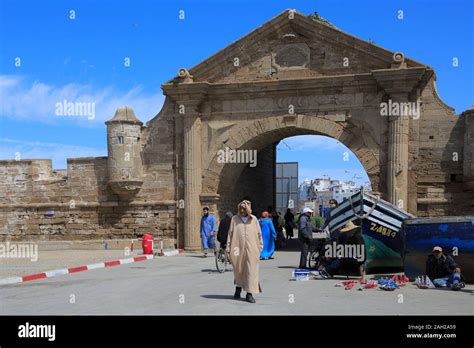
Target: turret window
x: 120, y: 138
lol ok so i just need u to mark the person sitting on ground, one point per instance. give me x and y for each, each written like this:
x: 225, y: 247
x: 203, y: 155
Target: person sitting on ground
x: 268, y: 235
x: 443, y: 270
x: 350, y: 234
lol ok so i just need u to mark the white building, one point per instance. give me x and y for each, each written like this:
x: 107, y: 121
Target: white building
x: 323, y: 189
x: 322, y: 184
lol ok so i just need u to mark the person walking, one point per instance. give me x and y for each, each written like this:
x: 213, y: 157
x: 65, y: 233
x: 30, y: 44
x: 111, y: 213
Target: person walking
x: 305, y: 235
x: 278, y: 225
x: 244, y: 245
x: 268, y: 236
x: 223, y: 230
x: 289, y: 223
x: 208, y: 228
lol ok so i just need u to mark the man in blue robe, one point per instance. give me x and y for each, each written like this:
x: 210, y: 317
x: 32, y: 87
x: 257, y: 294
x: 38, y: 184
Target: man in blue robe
x: 208, y: 231
x: 268, y: 235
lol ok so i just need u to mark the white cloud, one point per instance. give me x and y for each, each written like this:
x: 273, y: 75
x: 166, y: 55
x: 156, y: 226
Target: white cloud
x: 23, y: 99
x: 58, y: 153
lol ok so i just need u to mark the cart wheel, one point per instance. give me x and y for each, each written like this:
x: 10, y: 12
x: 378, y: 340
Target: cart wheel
x: 313, y: 261
x: 462, y: 285
x: 221, y: 261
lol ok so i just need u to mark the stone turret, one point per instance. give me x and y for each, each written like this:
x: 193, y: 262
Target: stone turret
x: 124, y: 153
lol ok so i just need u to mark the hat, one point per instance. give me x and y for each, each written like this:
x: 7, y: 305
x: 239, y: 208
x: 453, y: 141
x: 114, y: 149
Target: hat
x: 437, y: 248
x: 349, y: 227
x: 307, y: 210
x: 246, y: 205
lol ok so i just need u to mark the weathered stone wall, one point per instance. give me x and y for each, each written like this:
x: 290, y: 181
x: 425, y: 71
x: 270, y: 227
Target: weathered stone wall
x: 439, y: 165
x: 39, y: 203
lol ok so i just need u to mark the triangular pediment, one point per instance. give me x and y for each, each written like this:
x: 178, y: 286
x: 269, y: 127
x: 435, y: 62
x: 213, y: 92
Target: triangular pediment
x: 293, y: 45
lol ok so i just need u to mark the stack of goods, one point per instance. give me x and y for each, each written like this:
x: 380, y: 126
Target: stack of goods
x: 349, y: 284
x: 424, y: 282
x: 370, y: 285
x: 387, y: 284
x: 400, y: 280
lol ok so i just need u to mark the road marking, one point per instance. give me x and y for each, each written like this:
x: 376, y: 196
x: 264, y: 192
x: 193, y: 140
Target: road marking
x: 63, y: 271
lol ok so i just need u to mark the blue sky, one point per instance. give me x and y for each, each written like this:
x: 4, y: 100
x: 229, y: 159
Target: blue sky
x: 82, y: 59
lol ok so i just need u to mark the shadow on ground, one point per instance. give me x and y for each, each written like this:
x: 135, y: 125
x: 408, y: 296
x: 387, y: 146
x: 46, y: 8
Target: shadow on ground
x: 219, y: 297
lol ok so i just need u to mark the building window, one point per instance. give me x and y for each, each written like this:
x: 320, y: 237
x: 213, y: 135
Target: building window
x: 120, y: 138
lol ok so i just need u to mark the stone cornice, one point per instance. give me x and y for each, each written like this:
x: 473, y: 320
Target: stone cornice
x: 393, y: 81
x: 350, y: 83
x: 189, y: 94
x: 402, y: 81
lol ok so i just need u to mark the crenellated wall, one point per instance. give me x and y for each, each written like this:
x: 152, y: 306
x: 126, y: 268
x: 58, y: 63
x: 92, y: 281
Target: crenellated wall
x: 39, y: 203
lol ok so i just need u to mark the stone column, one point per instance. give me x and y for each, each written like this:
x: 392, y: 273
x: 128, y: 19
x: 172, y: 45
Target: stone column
x: 403, y: 84
x: 398, y: 127
x: 192, y: 181
x: 187, y: 97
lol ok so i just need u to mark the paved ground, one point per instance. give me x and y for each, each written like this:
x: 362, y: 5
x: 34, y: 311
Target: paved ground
x: 189, y: 284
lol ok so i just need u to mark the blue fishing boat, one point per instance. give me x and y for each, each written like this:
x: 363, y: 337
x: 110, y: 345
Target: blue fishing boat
x: 381, y: 225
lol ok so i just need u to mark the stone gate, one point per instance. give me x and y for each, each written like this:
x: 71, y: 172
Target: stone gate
x: 293, y: 75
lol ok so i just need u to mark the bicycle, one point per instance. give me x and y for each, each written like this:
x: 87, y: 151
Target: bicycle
x: 222, y: 260
x: 316, y: 253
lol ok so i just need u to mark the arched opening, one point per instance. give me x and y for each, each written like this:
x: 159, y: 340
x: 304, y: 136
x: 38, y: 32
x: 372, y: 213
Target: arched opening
x: 313, y: 169
x: 234, y: 181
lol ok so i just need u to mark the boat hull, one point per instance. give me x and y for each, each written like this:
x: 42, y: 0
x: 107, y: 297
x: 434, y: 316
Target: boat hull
x: 381, y: 229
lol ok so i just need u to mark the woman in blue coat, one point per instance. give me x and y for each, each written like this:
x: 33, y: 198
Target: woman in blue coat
x: 268, y: 235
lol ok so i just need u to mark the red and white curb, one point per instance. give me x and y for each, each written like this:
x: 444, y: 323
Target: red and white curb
x: 58, y: 272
